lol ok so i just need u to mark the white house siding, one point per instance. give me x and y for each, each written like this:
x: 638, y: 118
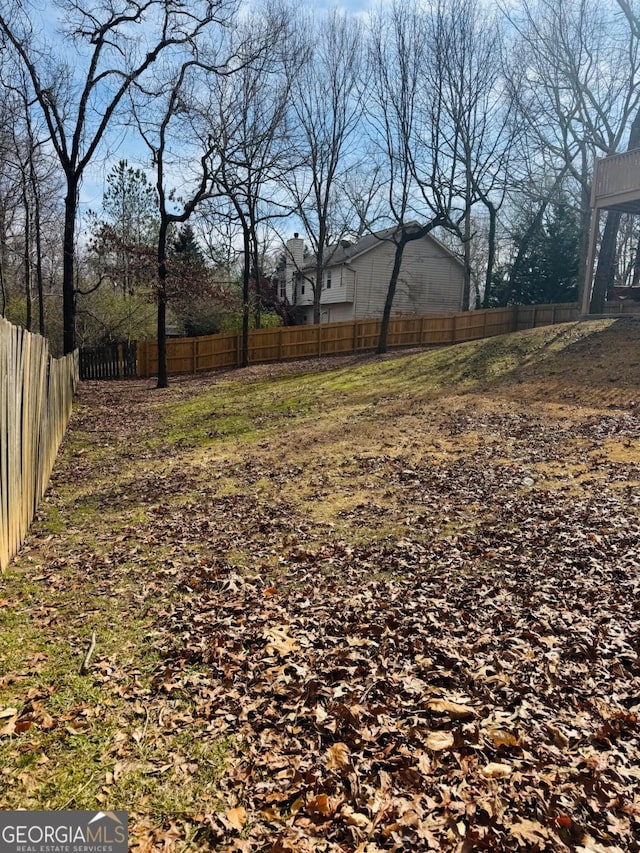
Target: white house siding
x: 334, y: 313
x: 336, y: 303
x: 431, y: 280
x: 306, y: 298
x: 342, y: 285
x: 339, y: 313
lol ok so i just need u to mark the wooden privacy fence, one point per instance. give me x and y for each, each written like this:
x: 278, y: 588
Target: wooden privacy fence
x: 36, y: 394
x: 115, y: 361
x: 192, y: 355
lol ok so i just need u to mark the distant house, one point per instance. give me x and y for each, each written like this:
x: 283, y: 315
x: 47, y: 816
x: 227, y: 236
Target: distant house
x: 356, y: 279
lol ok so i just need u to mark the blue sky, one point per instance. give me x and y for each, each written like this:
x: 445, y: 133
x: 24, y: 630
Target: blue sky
x: 347, y: 5
x: 124, y: 146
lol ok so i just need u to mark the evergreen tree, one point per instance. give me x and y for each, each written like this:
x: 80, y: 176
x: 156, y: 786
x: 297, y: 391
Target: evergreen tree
x: 195, y: 298
x: 549, y: 273
x: 122, y: 241
x: 185, y: 247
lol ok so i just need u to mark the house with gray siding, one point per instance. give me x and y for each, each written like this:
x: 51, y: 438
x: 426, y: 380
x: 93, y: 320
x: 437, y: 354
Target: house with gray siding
x: 356, y: 279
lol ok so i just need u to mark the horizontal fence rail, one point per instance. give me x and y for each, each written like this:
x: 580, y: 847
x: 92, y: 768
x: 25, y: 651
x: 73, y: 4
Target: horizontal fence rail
x: 36, y: 395
x: 284, y: 343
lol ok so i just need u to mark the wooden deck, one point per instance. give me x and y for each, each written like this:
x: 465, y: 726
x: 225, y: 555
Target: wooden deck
x: 616, y: 186
x: 616, y: 182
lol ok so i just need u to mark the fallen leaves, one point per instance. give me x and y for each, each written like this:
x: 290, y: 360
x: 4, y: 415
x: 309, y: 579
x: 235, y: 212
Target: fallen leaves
x: 237, y: 817
x: 448, y: 663
x: 338, y: 757
x: 495, y: 770
x: 279, y: 642
x: 451, y: 709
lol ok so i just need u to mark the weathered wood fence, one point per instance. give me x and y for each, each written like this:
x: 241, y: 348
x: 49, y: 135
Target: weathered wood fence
x: 192, y: 355
x: 115, y: 361
x: 36, y: 395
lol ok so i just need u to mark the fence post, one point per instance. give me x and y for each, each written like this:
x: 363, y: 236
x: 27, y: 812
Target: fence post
x: 512, y: 315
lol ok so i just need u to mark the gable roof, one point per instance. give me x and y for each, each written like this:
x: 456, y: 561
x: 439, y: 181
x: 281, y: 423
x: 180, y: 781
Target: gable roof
x: 344, y: 254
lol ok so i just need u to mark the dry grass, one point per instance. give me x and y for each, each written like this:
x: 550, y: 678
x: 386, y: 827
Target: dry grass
x: 233, y: 470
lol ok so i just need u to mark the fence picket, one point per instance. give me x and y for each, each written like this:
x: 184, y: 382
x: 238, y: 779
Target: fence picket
x: 114, y: 361
x: 36, y: 394
x: 290, y: 342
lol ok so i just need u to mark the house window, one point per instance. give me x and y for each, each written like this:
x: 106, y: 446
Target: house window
x: 302, y: 288
x: 283, y: 289
x: 328, y: 280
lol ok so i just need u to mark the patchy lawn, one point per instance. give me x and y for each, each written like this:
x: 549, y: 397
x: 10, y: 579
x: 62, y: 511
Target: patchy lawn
x: 348, y: 605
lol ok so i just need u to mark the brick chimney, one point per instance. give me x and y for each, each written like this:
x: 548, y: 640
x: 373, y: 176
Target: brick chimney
x: 294, y: 258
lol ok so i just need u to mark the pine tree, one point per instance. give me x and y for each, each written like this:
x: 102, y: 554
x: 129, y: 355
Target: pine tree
x: 549, y: 273
x: 122, y: 241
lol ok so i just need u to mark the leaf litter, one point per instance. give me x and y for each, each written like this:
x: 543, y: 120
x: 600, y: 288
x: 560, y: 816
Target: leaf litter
x: 468, y: 681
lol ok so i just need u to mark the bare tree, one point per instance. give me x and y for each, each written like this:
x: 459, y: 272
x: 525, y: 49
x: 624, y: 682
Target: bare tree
x: 39, y: 186
x: 174, y: 120
x: 9, y: 199
x: 326, y: 108
x: 79, y: 97
x: 31, y: 171
x: 158, y: 114
x: 250, y: 129
x: 406, y: 119
x: 469, y: 49
x: 577, y: 85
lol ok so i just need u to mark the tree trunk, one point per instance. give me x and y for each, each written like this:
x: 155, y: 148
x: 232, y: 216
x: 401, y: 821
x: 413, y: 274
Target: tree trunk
x: 491, y: 254
x: 246, y: 293
x: 391, y: 292
x: 68, y: 250
x: 317, y: 294
x: 606, y: 267
x: 466, y: 293
x: 585, y: 223
x: 163, y: 375
x: 605, y: 271
x: 255, y: 263
x: 26, y: 257
x: 38, y: 247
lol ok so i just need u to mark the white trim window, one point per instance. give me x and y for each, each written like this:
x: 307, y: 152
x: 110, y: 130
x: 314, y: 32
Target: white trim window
x: 327, y: 280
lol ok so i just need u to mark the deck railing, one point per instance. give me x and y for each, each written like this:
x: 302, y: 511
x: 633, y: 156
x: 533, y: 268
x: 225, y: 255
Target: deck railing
x: 616, y: 179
